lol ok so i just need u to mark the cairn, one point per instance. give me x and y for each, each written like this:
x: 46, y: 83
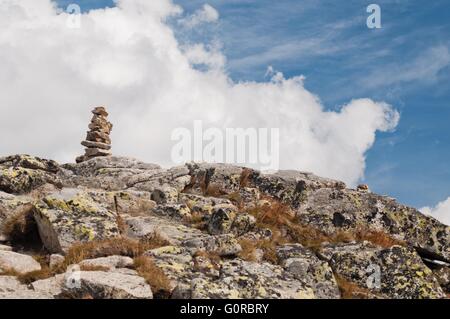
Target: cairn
x: 98, y: 142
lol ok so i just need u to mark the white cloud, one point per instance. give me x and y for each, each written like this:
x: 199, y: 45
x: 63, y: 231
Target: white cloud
x: 441, y: 211
x: 128, y: 59
x: 207, y: 14
x: 210, y: 55
x: 424, y: 67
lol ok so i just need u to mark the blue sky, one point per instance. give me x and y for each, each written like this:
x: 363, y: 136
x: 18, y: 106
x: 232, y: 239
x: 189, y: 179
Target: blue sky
x: 406, y: 63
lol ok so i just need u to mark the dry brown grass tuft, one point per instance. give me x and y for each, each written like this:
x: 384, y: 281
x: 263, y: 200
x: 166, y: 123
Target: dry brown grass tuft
x: 277, y: 217
x: 214, y: 190
x: 121, y: 225
x: 212, y: 256
x: 141, y: 207
x: 281, y: 220
x: 197, y: 181
x: 237, y: 200
x: 248, y: 251
x: 206, y: 188
x: 245, y: 177
x: 113, y: 246
x: 93, y: 268
x: 350, y: 290
x: 9, y: 272
x: 377, y: 238
x: 196, y: 220
x: 29, y: 277
x: 32, y: 276
x: 154, y: 276
x: 268, y: 247
x: 20, y: 228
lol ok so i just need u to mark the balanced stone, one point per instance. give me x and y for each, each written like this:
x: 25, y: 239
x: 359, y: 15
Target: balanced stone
x: 98, y: 142
x: 92, y: 152
x: 91, y: 144
x: 96, y: 136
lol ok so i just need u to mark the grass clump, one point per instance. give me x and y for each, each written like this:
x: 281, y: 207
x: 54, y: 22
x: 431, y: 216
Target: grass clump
x: 197, y: 220
x: 155, y: 277
x: 214, y: 190
x: 113, y: 246
x: 350, y: 290
x: 267, y: 247
x: 21, y: 228
x: 281, y: 220
x: 93, y: 268
x: 245, y: 177
x: 212, y: 256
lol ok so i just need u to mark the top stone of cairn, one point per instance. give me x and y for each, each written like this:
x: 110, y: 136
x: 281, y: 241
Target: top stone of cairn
x: 100, y: 110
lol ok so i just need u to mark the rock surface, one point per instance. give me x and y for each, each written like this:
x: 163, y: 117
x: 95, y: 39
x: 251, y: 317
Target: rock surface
x: 71, y: 216
x: 11, y: 288
x: 18, y: 262
x: 109, y: 285
x: 402, y: 274
x: 214, y: 231
x: 236, y: 279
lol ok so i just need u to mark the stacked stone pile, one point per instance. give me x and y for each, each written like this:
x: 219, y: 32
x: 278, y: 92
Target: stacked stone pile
x: 98, y: 142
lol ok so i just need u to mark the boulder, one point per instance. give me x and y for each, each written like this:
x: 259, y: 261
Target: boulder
x: 110, y: 173
x: 23, y: 180
x: 225, y: 178
x: 52, y: 286
x: 442, y: 275
x: 30, y: 162
x: 108, y: 285
x: 176, y: 211
x: 165, y: 195
x: 222, y: 219
x: 71, y: 216
x: 175, y: 177
x: 306, y: 267
x: 396, y: 272
x: 21, y: 174
x: 20, y: 263
x: 292, y: 187
x: 333, y: 210
x: 237, y: 279
x: 223, y: 245
x: 203, y: 206
x: 11, y: 288
x: 242, y: 224
x: 170, y: 230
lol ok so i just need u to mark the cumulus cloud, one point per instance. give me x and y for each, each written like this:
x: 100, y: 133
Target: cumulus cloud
x: 441, y: 211
x: 207, y: 14
x: 128, y: 59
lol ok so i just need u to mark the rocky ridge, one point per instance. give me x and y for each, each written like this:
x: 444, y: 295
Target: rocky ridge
x: 115, y: 227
